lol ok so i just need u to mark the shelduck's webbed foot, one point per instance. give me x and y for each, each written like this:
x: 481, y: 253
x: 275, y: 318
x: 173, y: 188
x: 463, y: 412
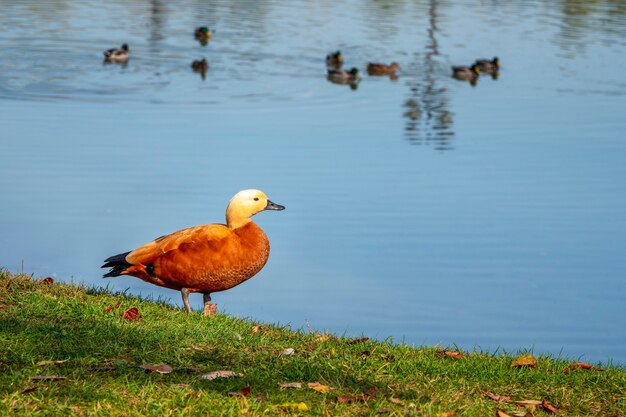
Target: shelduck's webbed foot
x: 210, y: 309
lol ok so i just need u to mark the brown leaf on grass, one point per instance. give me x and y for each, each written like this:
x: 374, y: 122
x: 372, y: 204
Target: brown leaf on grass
x: 359, y: 340
x: 47, y: 378
x: 528, y: 403
x: 161, y: 368
x: 131, y: 314
x: 322, y: 338
x: 291, y: 385
x: 30, y: 389
x: 581, y: 365
x: 549, y: 407
x: 446, y: 414
x: 451, y: 353
x: 325, y: 389
x: 47, y: 363
x: 220, y: 374
x: 396, y: 400
x: 259, y: 328
x: 500, y: 413
x: 496, y: 397
x: 525, y: 361
x: 244, y: 392
x: 111, y: 308
x: 47, y: 280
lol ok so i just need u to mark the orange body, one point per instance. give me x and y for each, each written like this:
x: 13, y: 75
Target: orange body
x: 205, y: 258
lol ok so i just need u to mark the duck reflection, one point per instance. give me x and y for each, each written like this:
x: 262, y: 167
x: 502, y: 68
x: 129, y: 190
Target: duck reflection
x: 343, y: 77
x: 200, y: 67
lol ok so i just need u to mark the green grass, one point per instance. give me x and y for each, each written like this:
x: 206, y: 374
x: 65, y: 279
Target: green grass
x: 59, y: 322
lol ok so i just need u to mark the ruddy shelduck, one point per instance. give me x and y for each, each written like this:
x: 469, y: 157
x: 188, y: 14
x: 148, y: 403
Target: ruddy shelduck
x: 207, y: 258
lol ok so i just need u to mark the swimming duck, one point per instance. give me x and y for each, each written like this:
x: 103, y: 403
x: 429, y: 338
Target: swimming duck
x: 334, y: 60
x: 340, y: 76
x: 117, y: 55
x: 382, y: 69
x: 488, y: 66
x: 200, y: 66
x: 202, y: 34
x: 207, y: 258
x: 466, y: 73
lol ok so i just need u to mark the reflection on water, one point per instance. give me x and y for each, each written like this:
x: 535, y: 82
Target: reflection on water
x: 429, y: 119
x: 513, y: 237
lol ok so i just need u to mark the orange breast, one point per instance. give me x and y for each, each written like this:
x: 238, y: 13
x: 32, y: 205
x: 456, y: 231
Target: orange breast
x: 205, y: 258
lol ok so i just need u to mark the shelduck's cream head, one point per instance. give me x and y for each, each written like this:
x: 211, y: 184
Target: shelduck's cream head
x: 246, y: 204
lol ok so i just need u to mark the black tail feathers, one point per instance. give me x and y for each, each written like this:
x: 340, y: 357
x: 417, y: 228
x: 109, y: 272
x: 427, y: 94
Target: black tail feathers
x: 117, y: 263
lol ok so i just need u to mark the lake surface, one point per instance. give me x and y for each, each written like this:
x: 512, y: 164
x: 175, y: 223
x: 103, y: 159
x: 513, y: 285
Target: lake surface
x: 425, y: 209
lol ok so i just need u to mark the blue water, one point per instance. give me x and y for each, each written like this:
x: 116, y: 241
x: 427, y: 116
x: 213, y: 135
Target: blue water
x: 423, y: 209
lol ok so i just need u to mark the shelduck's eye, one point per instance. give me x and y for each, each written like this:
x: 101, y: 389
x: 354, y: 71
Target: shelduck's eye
x: 256, y: 198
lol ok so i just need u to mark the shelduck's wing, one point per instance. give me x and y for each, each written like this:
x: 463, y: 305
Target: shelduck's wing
x: 203, y: 234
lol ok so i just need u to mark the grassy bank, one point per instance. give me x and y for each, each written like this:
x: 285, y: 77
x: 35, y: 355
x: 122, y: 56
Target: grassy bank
x: 79, y: 336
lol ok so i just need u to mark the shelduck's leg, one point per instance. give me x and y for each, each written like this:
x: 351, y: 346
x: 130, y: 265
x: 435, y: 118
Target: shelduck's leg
x: 210, y: 309
x: 185, y: 293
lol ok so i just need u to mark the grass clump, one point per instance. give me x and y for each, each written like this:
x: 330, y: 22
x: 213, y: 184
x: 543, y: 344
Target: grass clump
x: 78, y: 334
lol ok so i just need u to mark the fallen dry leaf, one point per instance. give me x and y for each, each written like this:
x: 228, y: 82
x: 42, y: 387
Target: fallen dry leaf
x: 528, y: 403
x: 259, y: 328
x: 385, y: 410
x: 500, y: 413
x: 446, y: 414
x: 496, y: 397
x: 549, y: 407
x: 161, y: 368
x: 220, y: 374
x: 291, y: 385
x: 46, y: 363
x: 396, y: 401
x: 319, y: 387
x: 288, y: 352
x: 244, y: 392
x: 295, y: 406
x: 451, y: 353
x: 30, y: 389
x: 47, y: 378
x: 47, y: 280
x: 131, y: 314
x: 322, y: 338
x: 111, y: 308
x: 526, y: 361
x: 581, y: 365
x: 359, y: 340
